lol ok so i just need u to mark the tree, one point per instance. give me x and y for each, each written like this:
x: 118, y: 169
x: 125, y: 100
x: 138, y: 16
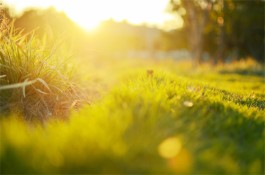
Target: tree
x: 244, y: 27
x: 195, y: 14
x: 222, y: 27
x: 236, y: 28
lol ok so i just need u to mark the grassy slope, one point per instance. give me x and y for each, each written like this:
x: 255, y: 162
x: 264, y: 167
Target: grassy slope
x: 217, y: 120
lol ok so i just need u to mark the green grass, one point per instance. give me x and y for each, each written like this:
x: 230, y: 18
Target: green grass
x: 189, y: 123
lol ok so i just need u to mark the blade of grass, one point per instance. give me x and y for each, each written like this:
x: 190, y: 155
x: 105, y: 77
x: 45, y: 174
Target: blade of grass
x: 24, y: 88
x: 17, y: 85
x: 44, y: 83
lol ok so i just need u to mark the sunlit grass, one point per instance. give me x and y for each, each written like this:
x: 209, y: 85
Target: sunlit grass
x: 145, y: 116
x: 144, y: 126
x: 35, y: 80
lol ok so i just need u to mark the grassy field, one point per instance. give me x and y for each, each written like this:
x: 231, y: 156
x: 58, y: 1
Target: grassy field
x: 118, y: 115
x: 162, y: 120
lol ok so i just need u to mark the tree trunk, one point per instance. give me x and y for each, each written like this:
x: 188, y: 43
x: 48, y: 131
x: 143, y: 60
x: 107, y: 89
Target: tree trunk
x: 221, y: 40
x: 196, y: 21
x: 220, y: 50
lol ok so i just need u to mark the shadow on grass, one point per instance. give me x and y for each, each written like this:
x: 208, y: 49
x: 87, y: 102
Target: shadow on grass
x: 260, y: 73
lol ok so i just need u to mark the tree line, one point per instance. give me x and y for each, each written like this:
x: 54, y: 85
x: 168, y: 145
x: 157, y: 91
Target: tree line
x: 222, y: 28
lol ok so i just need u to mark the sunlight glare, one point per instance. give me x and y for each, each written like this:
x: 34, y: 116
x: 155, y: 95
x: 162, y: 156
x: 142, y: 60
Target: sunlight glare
x: 89, y: 14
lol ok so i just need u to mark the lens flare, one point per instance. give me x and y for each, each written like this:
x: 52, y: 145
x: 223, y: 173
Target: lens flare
x: 169, y: 148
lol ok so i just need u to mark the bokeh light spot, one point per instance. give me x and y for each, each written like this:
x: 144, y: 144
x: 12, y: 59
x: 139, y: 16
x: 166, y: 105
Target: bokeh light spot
x: 170, y: 147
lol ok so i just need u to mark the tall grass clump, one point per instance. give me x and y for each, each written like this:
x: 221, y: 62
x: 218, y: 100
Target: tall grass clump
x: 34, y: 80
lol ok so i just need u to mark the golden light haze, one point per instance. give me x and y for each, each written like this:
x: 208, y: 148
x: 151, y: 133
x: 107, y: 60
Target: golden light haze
x: 88, y: 14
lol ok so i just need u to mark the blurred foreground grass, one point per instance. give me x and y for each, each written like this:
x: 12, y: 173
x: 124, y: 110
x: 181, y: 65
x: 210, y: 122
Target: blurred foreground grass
x: 165, y: 120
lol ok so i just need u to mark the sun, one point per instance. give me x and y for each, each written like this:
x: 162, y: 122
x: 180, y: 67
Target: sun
x: 89, y: 14
x: 85, y: 21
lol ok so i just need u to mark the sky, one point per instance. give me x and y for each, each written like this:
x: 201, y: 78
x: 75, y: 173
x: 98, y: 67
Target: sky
x: 89, y: 13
